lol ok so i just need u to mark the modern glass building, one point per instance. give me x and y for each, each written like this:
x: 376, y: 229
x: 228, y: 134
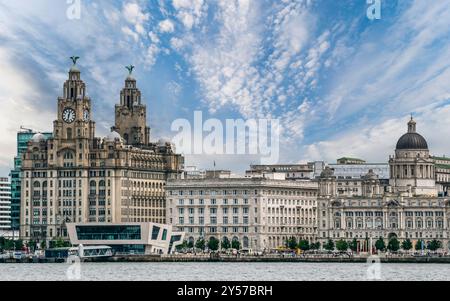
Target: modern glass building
x: 23, y: 137
x: 127, y: 238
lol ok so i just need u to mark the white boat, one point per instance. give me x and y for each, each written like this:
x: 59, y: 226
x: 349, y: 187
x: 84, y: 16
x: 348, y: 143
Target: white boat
x: 91, y: 251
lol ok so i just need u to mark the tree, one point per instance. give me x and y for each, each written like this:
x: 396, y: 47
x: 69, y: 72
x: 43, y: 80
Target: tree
x: 291, y: 243
x: 380, y: 244
x: 393, y: 245
x: 200, y: 244
x: 329, y: 245
x: 18, y: 244
x: 235, y: 244
x: 304, y: 245
x: 182, y: 246
x: 43, y: 245
x: 190, y: 244
x: 225, y: 244
x: 342, y: 245
x: 314, y: 246
x: 213, y: 244
x: 434, y: 245
x: 418, y: 245
x: 353, y: 245
x: 407, y: 245
x: 32, y: 245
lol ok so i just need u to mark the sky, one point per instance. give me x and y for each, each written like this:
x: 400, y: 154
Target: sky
x: 339, y: 83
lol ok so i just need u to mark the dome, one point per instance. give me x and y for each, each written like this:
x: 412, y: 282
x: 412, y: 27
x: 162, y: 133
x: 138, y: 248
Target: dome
x: 74, y: 69
x: 39, y: 137
x: 371, y: 175
x: 327, y: 172
x: 113, y: 136
x: 412, y: 139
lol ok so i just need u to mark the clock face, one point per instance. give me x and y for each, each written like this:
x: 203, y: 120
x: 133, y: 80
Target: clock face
x: 86, y: 115
x: 68, y: 115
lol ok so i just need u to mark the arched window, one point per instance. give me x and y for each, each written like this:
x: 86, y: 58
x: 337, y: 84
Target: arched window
x: 245, y: 242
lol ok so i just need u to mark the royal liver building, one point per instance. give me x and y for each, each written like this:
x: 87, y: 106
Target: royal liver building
x: 407, y: 208
x: 78, y: 177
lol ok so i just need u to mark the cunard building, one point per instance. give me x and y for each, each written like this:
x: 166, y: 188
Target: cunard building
x: 76, y: 177
x: 407, y: 208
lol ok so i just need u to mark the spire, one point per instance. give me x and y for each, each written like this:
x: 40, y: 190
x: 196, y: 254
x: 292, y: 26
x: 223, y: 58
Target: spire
x: 411, y: 125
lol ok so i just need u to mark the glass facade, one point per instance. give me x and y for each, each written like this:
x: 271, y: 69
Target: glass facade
x: 22, y: 144
x: 155, y: 232
x: 128, y: 249
x: 108, y: 232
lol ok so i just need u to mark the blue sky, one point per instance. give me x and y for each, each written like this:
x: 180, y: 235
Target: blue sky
x: 340, y: 84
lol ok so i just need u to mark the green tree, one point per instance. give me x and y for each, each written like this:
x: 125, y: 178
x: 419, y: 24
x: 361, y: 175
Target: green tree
x: 291, y: 243
x: 190, y: 244
x: 43, y: 245
x: 353, y: 245
x: 32, y: 245
x: 18, y: 244
x: 9, y: 244
x: 304, y: 245
x: 200, y: 244
x: 182, y: 246
x: 235, y: 244
x: 329, y: 245
x: 314, y: 246
x: 380, y: 244
x: 225, y: 244
x: 407, y: 245
x: 434, y: 245
x: 393, y: 245
x: 342, y: 245
x: 213, y: 244
x: 418, y: 245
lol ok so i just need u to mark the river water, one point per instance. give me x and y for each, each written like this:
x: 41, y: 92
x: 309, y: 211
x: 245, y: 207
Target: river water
x: 223, y: 272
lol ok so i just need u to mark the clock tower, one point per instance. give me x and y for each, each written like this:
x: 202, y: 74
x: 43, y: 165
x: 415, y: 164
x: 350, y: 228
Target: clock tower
x: 74, y: 130
x: 131, y: 114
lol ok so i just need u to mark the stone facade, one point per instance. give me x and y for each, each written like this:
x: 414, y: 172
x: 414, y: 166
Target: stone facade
x: 407, y: 208
x: 260, y: 213
x: 80, y: 178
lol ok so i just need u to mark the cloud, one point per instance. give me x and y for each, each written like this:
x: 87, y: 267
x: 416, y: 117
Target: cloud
x: 190, y: 12
x: 166, y: 26
x: 134, y: 15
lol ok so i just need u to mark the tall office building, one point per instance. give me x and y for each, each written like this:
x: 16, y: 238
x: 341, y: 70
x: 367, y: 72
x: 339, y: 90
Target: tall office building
x: 76, y: 177
x: 5, y: 204
x: 23, y: 137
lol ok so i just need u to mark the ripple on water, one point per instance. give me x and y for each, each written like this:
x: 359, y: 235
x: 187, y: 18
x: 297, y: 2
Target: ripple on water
x: 224, y: 271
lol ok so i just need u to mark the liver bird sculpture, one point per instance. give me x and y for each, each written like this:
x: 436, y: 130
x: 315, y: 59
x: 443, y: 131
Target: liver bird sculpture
x: 74, y: 59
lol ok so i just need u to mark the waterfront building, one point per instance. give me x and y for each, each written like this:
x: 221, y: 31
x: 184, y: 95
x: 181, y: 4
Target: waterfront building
x: 407, y: 208
x: 442, y: 168
x: 5, y: 204
x: 260, y: 213
x: 23, y: 137
x: 290, y: 171
x: 76, y: 177
x: 127, y: 238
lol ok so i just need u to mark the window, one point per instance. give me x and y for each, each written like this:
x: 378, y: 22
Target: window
x: 108, y: 232
x: 155, y: 232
